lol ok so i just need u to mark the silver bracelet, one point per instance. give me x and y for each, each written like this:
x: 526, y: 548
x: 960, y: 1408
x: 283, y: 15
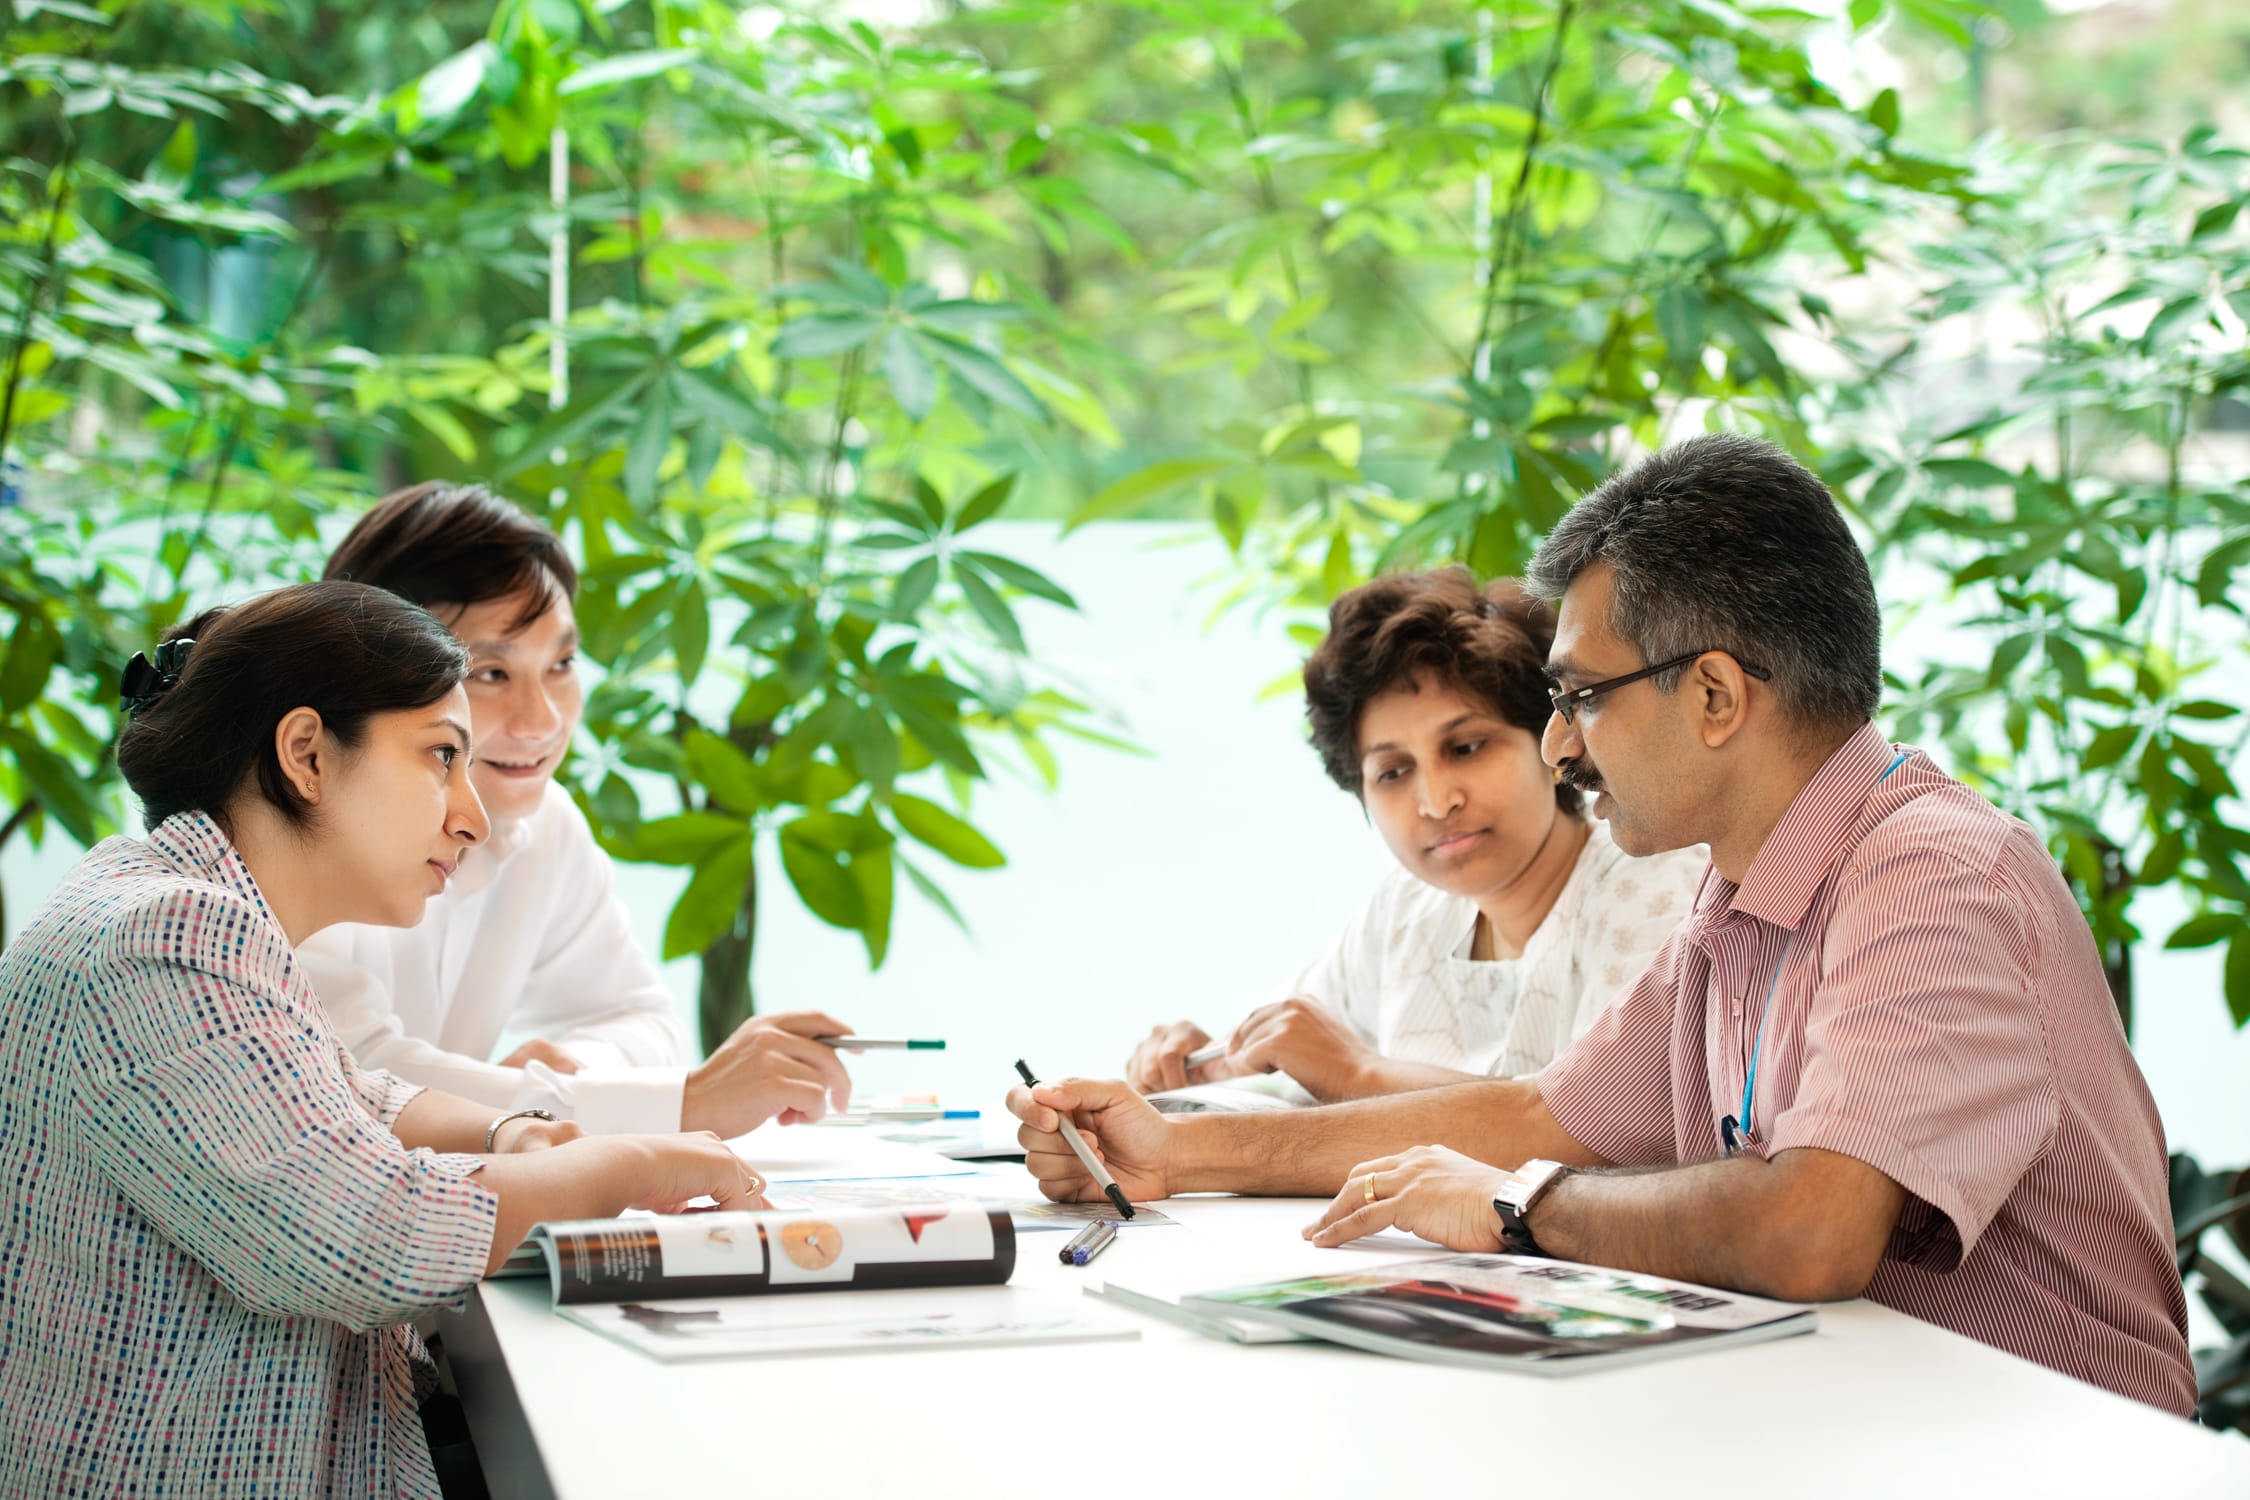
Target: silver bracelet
x: 492, y: 1131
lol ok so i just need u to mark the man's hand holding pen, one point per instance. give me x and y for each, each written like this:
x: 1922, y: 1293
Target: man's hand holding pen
x: 1127, y: 1135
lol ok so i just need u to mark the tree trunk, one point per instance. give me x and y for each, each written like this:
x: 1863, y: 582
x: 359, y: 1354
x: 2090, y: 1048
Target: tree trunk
x: 724, y: 1000
x: 22, y: 815
x: 2117, y: 953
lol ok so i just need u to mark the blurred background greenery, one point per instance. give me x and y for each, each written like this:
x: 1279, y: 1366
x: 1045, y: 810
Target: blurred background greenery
x: 771, y: 308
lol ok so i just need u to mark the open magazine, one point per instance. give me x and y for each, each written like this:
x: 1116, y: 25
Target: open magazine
x: 1511, y: 1312
x: 703, y: 1285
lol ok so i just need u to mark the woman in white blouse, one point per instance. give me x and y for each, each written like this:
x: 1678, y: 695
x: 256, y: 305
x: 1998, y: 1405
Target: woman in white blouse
x: 531, y: 940
x: 1512, y: 918
x: 219, y: 1228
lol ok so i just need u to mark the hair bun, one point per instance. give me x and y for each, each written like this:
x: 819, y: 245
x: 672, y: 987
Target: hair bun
x: 145, y: 681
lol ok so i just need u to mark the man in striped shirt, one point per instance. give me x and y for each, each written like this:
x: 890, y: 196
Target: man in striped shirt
x: 1879, y: 1058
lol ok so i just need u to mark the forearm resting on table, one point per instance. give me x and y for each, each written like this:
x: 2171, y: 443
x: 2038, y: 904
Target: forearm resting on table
x: 1808, y: 1226
x: 537, y: 1186
x: 1391, y: 1075
x: 1309, y: 1152
x: 444, y: 1122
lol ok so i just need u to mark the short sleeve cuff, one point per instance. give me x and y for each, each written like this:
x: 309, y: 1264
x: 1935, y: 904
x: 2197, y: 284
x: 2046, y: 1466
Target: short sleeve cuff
x: 1938, y: 1247
x: 392, y: 1094
x: 453, y: 1228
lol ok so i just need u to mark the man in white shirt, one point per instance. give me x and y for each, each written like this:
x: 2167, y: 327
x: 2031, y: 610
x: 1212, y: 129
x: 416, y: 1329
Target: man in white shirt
x: 531, y: 936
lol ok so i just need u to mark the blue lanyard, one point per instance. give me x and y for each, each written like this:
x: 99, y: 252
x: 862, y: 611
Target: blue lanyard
x: 1731, y: 1134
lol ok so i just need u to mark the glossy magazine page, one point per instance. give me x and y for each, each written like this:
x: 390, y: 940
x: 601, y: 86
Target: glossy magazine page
x: 1506, y: 1311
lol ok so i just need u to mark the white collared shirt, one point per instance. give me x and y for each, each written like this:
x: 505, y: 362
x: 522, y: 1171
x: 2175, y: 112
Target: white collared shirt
x: 530, y: 939
x: 1401, y: 974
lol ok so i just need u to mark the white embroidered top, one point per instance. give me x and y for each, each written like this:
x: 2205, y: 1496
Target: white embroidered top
x: 1401, y: 974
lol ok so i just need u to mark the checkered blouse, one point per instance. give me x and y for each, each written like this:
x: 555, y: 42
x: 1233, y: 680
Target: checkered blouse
x: 211, y: 1244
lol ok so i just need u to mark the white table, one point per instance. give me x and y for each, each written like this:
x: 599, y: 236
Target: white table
x: 1874, y: 1404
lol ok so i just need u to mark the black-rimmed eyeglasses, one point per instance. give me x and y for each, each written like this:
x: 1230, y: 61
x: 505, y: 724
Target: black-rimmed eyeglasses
x: 1568, y: 700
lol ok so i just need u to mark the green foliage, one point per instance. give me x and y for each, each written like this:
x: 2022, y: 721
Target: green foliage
x: 1368, y: 288
x: 772, y: 450
x: 1441, y: 272
x: 1448, y: 265
x: 2094, y: 535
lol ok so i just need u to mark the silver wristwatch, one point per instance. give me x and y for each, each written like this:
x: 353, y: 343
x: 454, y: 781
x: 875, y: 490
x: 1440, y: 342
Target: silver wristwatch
x: 1525, y: 1186
x: 492, y: 1131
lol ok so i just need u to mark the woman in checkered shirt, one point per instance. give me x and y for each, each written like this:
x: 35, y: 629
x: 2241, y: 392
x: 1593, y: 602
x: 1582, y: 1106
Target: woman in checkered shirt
x: 218, y: 1229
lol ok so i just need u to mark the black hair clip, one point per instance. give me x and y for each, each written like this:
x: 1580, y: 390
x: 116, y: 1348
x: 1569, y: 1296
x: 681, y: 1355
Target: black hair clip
x: 144, y: 681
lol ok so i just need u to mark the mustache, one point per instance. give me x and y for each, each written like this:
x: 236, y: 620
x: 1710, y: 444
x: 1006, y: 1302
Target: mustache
x: 1579, y: 773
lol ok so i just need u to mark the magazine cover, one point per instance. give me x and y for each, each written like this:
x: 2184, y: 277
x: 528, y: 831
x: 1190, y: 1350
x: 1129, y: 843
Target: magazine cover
x: 653, y: 1257
x: 1508, y: 1312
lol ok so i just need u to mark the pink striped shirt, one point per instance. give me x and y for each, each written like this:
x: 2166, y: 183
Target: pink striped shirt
x: 1937, y: 1011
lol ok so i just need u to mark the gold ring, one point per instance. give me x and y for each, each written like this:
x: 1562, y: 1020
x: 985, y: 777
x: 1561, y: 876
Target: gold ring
x: 756, y: 1185
x: 1371, y: 1187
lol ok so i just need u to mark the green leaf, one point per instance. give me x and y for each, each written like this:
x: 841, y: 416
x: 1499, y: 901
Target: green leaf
x: 30, y: 660
x: 932, y: 503
x: 907, y: 369
x: 1016, y: 575
x: 985, y: 503
x: 2238, y: 979
x: 442, y: 91
x: 61, y: 789
x: 1970, y: 473
x: 707, y: 909
x: 2109, y: 747
x: 447, y: 428
x: 688, y: 838
x: 174, y: 167
x: 721, y: 404
x: 1679, y: 318
x: 624, y: 67
x: 1143, y: 485
x: 986, y: 375
x: 825, y: 886
x: 2215, y: 579
x: 722, y: 769
x: 2172, y: 320
x: 2202, y: 931
x: 913, y: 590
x: 871, y: 872
x: 929, y: 824
x: 691, y: 632
x: 2204, y: 708
x: 1883, y: 113
x: 566, y: 428
x: 2216, y: 219
x: 932, y: 894
x: 989, y: 606
x: 819, y: 334
x: 26, y: 9
x: 651, y: 440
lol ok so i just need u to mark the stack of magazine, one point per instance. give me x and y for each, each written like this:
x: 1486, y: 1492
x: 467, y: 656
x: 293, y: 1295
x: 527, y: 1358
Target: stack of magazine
x: 1547, y: 1317
x: 702, y: 1285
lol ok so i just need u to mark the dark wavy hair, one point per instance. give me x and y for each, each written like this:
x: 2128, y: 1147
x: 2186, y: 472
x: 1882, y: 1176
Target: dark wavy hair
x: 1428, y: 628
x: 345, y: 650
x: 1726, y: 543
x: 444, y: 544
